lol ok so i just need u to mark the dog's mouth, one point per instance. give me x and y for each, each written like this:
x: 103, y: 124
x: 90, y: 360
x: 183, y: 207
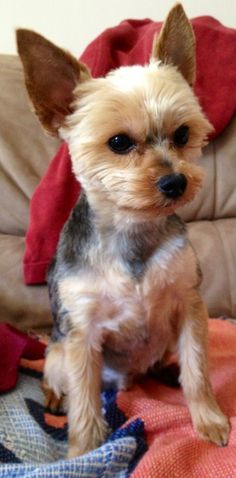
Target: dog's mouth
x: 157, y: 209
x: 169, y: 205
x: 161, y: 205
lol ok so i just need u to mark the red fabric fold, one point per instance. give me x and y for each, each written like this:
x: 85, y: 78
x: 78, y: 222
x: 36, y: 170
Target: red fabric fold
x: 127, y: 44
x: 14, y: 345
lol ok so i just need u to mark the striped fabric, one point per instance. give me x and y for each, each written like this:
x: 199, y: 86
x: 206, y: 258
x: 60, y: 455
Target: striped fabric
x: 34, y: 443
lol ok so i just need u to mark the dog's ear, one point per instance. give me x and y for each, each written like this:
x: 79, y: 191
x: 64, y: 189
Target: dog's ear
x: 51, y: 75
x: 176, y: 43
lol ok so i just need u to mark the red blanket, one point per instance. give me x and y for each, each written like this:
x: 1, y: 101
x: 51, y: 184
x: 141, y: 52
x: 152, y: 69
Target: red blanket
x: 15, y: 345
x: 127, y: 44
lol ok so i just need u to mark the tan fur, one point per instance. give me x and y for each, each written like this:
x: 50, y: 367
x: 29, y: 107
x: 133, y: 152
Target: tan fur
x: 206, y: 415
x: 130, y: 324
x: 83, y: 368
x: 54, y: 364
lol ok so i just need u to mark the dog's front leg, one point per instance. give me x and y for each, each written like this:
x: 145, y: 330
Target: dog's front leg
x: 206, y: 415
x: 87, y: 428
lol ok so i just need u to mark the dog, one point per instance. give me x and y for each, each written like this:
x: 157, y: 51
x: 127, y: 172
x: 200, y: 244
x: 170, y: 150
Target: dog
x: 124, y: 284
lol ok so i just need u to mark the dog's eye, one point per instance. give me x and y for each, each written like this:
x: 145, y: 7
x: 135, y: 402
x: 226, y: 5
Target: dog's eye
x: 121, y: 144
x: 181, y: 136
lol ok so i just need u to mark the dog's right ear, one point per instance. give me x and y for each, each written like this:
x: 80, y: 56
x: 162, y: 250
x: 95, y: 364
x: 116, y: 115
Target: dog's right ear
x: 51, y: 74
x: 176, y: 44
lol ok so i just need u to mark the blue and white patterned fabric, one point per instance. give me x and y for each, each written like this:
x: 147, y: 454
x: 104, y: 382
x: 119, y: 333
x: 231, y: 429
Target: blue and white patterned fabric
x: 30, y: 448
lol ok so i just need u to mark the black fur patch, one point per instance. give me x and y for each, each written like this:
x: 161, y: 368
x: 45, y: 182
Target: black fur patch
x: 74, y: 242
x: 136, y: 247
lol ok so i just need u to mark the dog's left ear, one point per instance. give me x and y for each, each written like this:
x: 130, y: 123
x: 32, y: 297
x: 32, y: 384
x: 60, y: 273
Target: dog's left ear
x: 176, y: 43
x: 51, y: 75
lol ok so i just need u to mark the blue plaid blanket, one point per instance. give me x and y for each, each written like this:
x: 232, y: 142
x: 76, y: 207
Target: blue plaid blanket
x: 32, y: 448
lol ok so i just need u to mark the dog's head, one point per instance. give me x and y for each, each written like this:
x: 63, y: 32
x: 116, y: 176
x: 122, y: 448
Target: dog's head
x: 132, y: 135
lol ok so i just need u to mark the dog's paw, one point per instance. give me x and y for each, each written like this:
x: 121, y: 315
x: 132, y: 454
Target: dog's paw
x: 84, y: 441
x: 52, y: 402
x: 214, y: 428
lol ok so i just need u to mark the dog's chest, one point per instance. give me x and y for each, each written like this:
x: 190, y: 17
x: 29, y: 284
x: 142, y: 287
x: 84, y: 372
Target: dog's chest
x: 127, y: 290
x: 139, y: 300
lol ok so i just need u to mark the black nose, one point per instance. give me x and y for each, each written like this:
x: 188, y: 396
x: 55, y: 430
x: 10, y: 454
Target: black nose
x: 172, y: 185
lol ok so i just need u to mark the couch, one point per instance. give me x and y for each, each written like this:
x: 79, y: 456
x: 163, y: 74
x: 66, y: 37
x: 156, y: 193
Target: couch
x: 25, y: 152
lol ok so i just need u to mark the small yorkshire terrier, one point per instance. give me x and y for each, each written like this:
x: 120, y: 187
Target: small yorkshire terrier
x: 124, y: 285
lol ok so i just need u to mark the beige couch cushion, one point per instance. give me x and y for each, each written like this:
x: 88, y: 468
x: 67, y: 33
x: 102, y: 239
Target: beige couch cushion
x: 214, y: 242
x: 24, y: 307
x: 217, y: 198
x: 25, y: 150
x: 213, y: 235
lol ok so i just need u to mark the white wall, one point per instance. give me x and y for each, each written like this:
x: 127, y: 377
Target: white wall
x: 72, y: 24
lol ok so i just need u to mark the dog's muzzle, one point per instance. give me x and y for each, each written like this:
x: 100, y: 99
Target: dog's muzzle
x: 172, y: 185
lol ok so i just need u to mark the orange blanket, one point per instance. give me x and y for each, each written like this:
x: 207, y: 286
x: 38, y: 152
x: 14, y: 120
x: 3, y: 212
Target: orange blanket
x: 175, y: 451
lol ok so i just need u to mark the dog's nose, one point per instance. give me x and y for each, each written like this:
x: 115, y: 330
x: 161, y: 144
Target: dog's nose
x: 172, y: 185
